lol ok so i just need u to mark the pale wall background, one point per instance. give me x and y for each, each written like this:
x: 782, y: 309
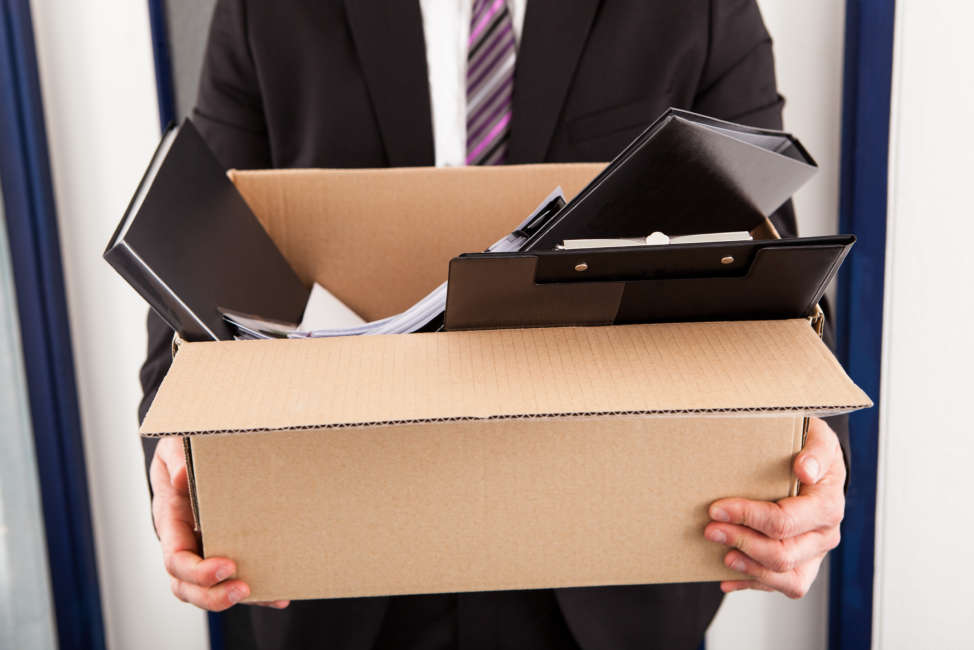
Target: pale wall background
x: 924, y: 590
x: 809, y: 42
x: 98, y: 83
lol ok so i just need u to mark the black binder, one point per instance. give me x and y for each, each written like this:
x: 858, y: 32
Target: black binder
x: 744, y: 280
x: 685, y: 174
x: 189, y: 244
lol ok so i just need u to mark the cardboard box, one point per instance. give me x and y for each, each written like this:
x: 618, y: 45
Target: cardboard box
x: 463, y: 461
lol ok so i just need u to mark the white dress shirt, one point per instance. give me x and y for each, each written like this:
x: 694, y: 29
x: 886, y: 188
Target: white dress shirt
x: 446, y: 25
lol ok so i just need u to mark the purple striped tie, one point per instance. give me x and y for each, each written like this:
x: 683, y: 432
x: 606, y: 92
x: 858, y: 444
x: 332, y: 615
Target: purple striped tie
x: 490, y: 82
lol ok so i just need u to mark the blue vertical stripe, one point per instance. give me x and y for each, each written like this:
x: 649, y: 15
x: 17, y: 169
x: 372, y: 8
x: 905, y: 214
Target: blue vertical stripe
x: 45, y: 336
x: 163, y: 63
x: 862, y: 210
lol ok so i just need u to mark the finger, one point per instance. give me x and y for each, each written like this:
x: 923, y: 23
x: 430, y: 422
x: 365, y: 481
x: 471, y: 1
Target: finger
x: 776, y: 554
x: 174, y: 524
x: 190, y: 567
x: 275, y: 604
x: 729, y: 586
x: 180, y: 548
x: 179, y: 479
x: 820, y: 454
x: 173, y: 516
x: 794, y: 583
x: 818, y: 507
x: 214, y: 599
x: 159, y: 475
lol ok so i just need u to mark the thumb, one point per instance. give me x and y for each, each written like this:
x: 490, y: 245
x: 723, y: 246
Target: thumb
x: 178, y: 478
x: 173, y: 457
x: 818, y: 454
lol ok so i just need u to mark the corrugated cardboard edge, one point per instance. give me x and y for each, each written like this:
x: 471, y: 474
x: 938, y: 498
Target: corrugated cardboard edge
x: 823, y: 411
x: 186, y: 412
x: 801, y: 431
x: 191, y: 481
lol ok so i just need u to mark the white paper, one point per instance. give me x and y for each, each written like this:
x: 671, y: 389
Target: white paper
x: 657, y: 239
x: 325, y: 312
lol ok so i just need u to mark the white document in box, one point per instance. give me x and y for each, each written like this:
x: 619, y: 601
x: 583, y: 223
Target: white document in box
x: 325, y: 311
x: 656, y: 239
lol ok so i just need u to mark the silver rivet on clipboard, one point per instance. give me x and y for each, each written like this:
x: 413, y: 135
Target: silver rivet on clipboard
x: 727, y: 260
x: 581, y: 267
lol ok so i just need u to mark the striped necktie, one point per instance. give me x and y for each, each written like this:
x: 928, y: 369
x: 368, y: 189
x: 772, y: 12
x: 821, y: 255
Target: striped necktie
x: 490, y: 82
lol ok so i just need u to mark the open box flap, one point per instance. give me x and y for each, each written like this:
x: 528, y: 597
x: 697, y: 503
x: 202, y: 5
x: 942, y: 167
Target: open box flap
x: 743, y: 367
x: 381, y: 239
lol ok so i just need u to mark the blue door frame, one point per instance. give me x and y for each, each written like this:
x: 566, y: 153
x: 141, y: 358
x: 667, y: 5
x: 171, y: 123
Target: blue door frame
x: 862, y: 210
x: 46, y: 342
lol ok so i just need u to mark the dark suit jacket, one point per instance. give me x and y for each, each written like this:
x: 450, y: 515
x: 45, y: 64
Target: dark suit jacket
x: 327, y: 83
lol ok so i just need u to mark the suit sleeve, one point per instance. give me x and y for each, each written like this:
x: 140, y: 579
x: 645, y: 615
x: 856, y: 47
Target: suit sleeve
x: 230, y: 117
x: 738, y: 84
x: 229, y: 110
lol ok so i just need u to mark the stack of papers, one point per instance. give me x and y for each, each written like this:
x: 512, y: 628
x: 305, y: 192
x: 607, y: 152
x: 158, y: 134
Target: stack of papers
x: 656, y: 239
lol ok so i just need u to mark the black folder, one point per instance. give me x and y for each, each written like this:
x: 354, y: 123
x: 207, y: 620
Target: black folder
x: 189, y: 244
x: 686, y: 173
x: 742, y: 280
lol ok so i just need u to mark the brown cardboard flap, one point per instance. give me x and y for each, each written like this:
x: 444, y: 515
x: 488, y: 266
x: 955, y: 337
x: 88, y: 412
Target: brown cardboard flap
x: 381, y: 239
x: 658, y: 369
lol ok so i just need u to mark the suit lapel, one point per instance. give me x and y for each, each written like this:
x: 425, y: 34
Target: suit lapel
x: 554, y: 34
x: 389, y: 40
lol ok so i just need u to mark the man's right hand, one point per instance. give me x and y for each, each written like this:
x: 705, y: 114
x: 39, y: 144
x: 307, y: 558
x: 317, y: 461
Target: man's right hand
x: 208, y: 583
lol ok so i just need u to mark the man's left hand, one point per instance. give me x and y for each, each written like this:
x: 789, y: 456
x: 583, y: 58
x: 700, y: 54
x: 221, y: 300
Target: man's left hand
x: 781, y: 545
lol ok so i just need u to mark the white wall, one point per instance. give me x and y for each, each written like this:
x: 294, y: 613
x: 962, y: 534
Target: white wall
x: 808, y: 40
x: 924, y: 589
x: 97, y: 80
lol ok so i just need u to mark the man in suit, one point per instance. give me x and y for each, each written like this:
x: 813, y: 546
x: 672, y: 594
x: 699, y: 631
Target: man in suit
x: 363, y: 83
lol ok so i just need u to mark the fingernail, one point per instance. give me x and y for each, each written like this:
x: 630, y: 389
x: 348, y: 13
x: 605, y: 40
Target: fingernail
x: 718, y: 514
x: 235, y: 595
x: 223, y: 573
x: 717, y: 535
x: 811, y: 466
x: 738, y: 565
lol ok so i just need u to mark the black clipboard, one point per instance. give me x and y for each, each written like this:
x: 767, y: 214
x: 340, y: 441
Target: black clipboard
x: 744, y: 280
